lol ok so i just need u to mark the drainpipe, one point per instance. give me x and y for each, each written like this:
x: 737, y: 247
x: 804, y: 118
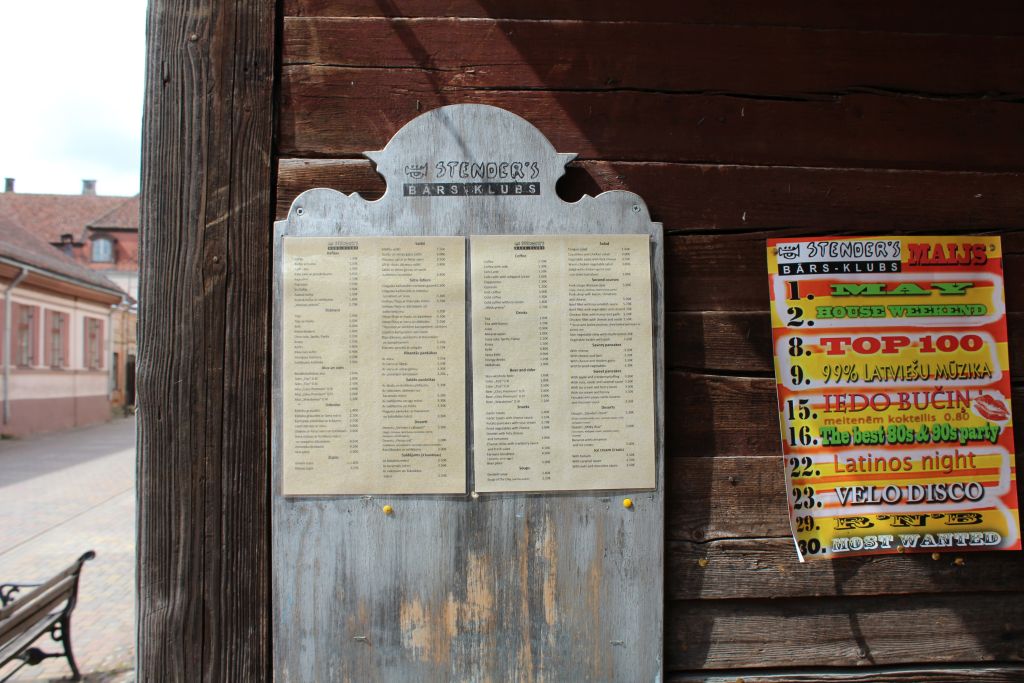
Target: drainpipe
x: 7, y: 342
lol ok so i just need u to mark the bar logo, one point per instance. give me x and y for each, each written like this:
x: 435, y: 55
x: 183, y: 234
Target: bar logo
x: 470, y: 189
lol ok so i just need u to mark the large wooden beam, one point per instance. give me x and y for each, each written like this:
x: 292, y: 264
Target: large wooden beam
x: 203, y: 525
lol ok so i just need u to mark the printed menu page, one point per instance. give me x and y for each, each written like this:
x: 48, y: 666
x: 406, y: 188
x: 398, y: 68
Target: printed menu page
x: 563, y: 372
x: 893, y: 384
x: 373, y: 360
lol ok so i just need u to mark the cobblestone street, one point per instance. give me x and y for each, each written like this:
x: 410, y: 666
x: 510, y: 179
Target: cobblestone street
x: 61, y: 495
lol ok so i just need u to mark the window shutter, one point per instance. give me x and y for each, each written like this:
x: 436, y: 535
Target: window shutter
x: 93, y: 344
x: 86, y: 343
x: 25, y: 335
x: 66, y: 340
x: 15, y: 336
x: 100, y: 355
x: 48, y: 339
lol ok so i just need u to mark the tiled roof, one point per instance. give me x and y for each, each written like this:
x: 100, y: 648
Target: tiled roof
x: 123, y: 216
x: 21, y: 245
x: 51, y: 215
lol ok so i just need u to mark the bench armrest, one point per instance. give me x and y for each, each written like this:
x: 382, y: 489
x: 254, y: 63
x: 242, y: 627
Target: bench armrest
x: 7, y: 591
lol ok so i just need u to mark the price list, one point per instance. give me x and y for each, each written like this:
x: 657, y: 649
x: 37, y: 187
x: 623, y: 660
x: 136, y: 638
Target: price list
x: 373, y: 351
x: 563, y: 368
x: 891, y: 362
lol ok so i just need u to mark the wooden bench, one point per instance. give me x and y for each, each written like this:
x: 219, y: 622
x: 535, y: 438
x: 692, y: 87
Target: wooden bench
x: 27, y: 616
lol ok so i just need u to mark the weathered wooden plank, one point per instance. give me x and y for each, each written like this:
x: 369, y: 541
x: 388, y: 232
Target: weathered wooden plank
x: 952, y: 673
x: 719, y: 341
x: 705, y: 271
x: 709, y: 415
x: 741, y: 341
x: 295, y: 176
x: 728, y: 272
x: 705, y: 197
x: 729, y: 497
x: 725, y: 497
x: 489, y: 53
x: 846, y: 631
x: 332, y: 111
x: 987, y: 17
x: 752, y: 568
x: 203, y: 543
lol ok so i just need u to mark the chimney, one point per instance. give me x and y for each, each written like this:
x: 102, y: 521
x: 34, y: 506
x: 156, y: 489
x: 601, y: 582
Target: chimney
x: 8, y: 184
x: 89, y: 187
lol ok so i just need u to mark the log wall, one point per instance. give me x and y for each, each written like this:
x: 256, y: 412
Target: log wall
x: 735, y: 121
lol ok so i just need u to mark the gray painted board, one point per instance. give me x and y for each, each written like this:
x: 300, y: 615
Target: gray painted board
x: 500, y: 587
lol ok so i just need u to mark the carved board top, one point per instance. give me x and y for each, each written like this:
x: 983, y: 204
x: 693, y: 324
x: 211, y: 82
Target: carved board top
x: 462, y: 169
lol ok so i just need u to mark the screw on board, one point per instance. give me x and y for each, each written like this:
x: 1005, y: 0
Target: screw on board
x: 299, y: 211
x: 636, y: 208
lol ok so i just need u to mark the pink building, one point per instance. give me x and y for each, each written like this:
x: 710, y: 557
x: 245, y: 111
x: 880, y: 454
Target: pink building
x: 55, y: 328
x: 101, y: 232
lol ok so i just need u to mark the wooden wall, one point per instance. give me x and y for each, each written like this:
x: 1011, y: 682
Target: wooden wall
x: 735, y: 121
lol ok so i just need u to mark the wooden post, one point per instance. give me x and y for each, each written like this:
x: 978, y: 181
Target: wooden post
x: 203, y: 521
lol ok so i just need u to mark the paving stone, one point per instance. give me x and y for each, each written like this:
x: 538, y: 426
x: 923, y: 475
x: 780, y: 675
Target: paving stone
x: 61, y: 495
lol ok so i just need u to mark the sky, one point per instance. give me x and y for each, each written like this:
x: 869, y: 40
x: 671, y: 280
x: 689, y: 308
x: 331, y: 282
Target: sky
x: 71, y: 85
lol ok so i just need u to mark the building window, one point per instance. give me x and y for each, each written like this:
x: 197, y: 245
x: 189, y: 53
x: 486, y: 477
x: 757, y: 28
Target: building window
x: 93, y: 344
x: 57, y: 339
x: 102, y: 250
x: 24, y: 342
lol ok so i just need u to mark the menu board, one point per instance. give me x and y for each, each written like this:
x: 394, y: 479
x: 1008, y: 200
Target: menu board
x: 373, y: 365
x: 893, y: 383
x: 373, y: 358
x: 563, y: 371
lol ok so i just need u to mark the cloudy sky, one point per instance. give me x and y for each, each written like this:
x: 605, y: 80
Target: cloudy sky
x: 71, y: 82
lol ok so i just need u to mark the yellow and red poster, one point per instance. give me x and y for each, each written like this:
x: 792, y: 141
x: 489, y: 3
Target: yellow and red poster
x: 893, y: 380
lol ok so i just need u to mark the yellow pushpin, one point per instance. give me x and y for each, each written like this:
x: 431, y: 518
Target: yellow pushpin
x: 388, y: 509
x: 627, y: 503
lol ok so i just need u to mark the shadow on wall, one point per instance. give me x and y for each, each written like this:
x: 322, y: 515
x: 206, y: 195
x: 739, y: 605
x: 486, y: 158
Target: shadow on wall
x: 857, y: 601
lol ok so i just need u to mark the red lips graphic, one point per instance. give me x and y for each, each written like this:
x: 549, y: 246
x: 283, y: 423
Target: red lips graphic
x: 991, y: 408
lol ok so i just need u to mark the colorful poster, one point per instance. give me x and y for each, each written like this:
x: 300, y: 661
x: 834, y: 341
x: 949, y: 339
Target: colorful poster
x: 893, y: 379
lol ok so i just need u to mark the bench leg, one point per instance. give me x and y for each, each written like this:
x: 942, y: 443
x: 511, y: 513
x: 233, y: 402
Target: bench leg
x: 65, y: 637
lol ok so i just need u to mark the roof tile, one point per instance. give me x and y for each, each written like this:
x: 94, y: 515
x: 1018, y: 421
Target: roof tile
x: 21, y: 245
x: 124, y: 216
x: 51, y: 215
